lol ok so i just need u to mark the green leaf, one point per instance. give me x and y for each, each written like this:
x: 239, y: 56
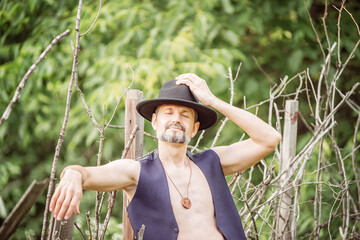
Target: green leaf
x: 295, y: 60
x: 228, y: 8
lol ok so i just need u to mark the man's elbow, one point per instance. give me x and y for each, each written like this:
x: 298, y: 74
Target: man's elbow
x: 274, y: 140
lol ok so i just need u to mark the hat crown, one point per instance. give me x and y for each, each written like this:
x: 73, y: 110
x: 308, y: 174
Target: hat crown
x: 170, y: 90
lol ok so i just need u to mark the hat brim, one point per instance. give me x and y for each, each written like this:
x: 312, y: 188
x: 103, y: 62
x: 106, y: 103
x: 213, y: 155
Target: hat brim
x: 206, y: 116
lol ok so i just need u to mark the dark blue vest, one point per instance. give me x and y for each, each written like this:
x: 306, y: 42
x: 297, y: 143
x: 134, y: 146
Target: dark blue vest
x: 151, y: 204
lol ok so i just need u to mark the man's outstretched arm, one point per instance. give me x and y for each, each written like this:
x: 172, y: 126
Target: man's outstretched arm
x: 244, y: 154
x: 120, y: 174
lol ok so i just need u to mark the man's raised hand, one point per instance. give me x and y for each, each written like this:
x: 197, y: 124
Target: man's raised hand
x: 198, y: 86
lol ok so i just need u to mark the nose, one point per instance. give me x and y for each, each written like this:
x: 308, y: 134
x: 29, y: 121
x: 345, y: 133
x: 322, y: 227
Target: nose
x: 176, y: 117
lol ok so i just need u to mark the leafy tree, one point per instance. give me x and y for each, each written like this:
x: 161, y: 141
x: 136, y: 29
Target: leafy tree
x: 159, y: 39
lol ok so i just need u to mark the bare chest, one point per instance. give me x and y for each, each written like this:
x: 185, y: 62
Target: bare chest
x: 200, y: 217
x: 196, y: 189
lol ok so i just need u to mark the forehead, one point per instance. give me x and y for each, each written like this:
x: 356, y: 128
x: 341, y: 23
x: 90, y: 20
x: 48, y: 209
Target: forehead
x: 176, y: 108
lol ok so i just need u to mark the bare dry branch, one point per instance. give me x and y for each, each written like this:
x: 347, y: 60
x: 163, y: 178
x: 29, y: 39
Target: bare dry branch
x: 356, y: 24
x: 316, y: 34
x: 357, y: 179
x: 88, y: 224
x: 16, y: 96
x: 117, y: 127
x: 79, y: 229
x: 198, y: 141
x: 339, y: 30
x: 74, y: 76
x: 121, y: 97
x: 131, y: 138
x: 92, y: 25
x: 232, y: 80
x: 98, y: 127
x: 98, y: 203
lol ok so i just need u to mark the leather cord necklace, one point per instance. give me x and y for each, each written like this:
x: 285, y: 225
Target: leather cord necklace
x: 185, y: 201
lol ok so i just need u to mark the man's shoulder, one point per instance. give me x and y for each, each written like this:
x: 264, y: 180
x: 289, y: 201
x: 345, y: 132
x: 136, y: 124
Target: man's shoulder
x: 204, y: 154
x: 147, y: 157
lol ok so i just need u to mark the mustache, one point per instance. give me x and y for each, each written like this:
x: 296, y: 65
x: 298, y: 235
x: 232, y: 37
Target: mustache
x: 175, y: 125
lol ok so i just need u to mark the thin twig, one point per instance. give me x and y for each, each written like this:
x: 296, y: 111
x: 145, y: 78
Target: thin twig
x: 198, y: 141
x: 98, y: 201
x: 92, y: 25
x: 317, y: 108
x: 116, y: 127
x: 74, y: 76
x: 316, y: 34
x: 253, y: 222
x: 324, y: 23
x: 356, y: 24
x: 98, y: 127
x: 262, y: 70
x: 111, y: 203
x: 79, y: 229
x: 353, y: 158
x: 88, y: 224
x: 338, y: 33
x: 343, y: 66
x: 131, y: 138
x: 232, y: 80
x: 149, y: 135
x: 16, y: 96
x: 119, y: 100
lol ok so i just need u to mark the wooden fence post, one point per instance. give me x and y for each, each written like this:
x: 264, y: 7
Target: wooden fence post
x: 21, y: 208
x: 61, y: 229
x: 132, y: 118
x: 285, y: 211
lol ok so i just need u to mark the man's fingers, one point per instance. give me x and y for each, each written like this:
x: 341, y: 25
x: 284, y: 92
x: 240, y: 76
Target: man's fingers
x: 187, y: 75
x: 58, y: 204
x: 185, y: 81
x: 198, y: 86
x: 73, y: 206
x: 189, y: 79
x: 64, y: 208
x: 54, y: 199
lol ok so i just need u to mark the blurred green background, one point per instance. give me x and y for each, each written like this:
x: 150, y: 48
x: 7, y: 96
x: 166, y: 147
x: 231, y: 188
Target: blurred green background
x: 159, y: 39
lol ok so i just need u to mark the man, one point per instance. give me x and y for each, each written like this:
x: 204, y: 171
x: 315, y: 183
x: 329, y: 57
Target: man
x: 176, y: 194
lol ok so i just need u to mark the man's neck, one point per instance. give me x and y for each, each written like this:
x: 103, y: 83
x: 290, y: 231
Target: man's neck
x: 172, y: 154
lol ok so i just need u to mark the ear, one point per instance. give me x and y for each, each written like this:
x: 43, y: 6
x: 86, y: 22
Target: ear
x: 154, y: 121
x: 195, y: 129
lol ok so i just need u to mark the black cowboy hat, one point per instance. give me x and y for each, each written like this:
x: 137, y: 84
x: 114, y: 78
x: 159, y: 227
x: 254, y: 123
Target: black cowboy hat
x: 171, y: 93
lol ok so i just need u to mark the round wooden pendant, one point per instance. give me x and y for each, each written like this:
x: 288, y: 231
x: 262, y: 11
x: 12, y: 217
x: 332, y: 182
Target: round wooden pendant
x: 186, y: 203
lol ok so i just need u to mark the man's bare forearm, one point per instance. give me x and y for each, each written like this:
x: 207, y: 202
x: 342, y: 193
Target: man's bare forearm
x: 112, y: 176
x: 259, y: 131
x: 239, y: 155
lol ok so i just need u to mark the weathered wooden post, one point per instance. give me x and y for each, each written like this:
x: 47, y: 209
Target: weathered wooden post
x: 22, y: 207
x: 132, y: 118
x: 283, y: 225
x: 61, y: 229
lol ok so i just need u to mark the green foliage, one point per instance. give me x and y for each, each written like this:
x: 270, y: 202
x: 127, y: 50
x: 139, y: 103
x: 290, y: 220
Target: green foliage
x: 159, y: 40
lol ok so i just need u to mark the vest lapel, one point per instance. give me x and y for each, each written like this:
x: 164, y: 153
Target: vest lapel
x: 164, y: 186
